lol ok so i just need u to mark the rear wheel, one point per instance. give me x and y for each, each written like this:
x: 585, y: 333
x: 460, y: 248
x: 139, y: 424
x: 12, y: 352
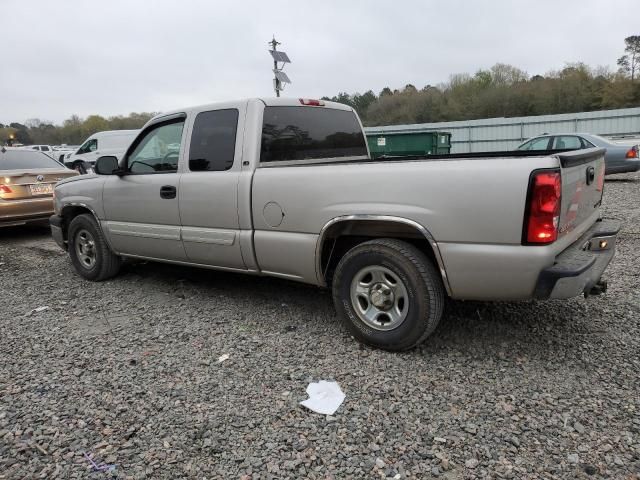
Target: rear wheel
x: 388, y: 294
x: 90, y: 254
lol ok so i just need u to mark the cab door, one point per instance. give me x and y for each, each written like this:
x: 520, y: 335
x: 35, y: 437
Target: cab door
x: 142, y: 205
x: 209, y: 188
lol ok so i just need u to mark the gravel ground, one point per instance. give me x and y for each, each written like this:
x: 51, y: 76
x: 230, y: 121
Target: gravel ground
x: 127, y: 372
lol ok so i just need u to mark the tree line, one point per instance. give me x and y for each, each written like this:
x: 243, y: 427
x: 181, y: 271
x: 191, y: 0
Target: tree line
x: 73, y: 131
x: 505, y: 91
x: 501, y: 91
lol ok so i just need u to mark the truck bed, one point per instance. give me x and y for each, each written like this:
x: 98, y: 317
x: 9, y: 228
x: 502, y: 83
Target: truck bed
x: 473, y: 210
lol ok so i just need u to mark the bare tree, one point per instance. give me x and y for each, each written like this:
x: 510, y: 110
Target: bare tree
x: 33, y: 123
x: 630, y: 61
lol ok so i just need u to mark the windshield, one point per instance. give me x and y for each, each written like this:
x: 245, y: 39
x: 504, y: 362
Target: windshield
x: 25, y: 159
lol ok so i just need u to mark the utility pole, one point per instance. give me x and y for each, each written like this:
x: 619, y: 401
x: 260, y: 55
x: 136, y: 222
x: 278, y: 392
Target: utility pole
x: 280, y: 78
x: 274, y: 44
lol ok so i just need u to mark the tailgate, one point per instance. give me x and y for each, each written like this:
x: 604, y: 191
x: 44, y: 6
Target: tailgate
x: 582, y: 187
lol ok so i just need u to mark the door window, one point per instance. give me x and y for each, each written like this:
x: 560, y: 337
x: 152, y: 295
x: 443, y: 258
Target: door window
x: 541, y: 143
x: 566, y: 142
x: 213, y: 141
x: 88, y: 146
x: 44, y: 148
x: 158, y: 150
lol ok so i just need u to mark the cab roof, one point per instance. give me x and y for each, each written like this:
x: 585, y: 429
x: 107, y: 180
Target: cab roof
x: 268, y: 101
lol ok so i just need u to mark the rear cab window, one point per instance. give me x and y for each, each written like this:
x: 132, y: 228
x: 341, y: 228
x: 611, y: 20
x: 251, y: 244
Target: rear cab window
x: 294, y: 134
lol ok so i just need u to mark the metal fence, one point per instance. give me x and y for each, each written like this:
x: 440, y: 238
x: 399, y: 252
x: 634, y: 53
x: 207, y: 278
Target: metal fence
x: 506, y: 133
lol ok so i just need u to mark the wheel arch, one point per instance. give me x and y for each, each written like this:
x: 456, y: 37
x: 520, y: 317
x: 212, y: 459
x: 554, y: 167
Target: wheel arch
x: 343, y: 233
x: 71, y: 211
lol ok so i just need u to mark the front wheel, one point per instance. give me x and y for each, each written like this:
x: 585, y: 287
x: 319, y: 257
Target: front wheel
x: 388, y: 294
x: 80, y: 167
x: 90, y: 254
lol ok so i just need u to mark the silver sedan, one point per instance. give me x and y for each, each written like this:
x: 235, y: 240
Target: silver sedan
x: 618, y: 159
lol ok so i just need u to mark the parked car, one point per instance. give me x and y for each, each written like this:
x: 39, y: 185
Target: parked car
x: 619, y: 158
x: 47, y: 150
x: 41, y: 148
x: 286, y: 188
x: 27, y: 178
x: 61, y: 151
x: 112, y: 142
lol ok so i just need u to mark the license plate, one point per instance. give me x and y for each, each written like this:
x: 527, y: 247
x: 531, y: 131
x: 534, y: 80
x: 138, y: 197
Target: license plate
x: 41, y: 189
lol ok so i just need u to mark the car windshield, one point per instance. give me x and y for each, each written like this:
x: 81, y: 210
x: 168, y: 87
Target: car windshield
x: 25, y: 159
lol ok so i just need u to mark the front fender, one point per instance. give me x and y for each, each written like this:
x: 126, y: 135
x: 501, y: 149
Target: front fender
x: 86, y: 192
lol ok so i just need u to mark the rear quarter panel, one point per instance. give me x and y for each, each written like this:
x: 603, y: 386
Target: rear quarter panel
x: 616, y: 161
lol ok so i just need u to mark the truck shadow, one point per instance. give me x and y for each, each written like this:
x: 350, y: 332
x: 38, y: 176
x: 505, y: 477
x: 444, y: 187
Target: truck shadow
x: 25, y: 232
x: 534, y: 329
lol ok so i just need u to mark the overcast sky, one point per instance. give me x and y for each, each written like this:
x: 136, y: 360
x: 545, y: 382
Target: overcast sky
x: 114, y: 57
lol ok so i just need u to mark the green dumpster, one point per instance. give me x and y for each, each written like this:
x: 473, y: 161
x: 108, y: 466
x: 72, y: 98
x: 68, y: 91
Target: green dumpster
x: 393, y: 144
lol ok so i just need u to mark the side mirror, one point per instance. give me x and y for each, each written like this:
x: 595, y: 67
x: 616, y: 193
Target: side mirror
x: 107, y: 165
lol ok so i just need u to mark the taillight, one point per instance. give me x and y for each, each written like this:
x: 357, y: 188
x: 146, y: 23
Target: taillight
x: 632, y: 152
x: 543, y: 209
x: 311, y: 102
x: 5, y: 189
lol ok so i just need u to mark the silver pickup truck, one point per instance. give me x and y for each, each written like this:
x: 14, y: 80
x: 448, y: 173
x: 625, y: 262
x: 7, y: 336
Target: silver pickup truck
x: 286, y: 188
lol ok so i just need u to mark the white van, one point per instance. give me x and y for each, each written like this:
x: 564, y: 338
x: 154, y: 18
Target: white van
x: 113, y: 142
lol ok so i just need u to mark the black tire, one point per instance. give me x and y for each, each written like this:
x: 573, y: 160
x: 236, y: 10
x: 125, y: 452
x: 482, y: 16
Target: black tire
x: 422, y: 286
x: 80, y: 167
x: 106, y: 263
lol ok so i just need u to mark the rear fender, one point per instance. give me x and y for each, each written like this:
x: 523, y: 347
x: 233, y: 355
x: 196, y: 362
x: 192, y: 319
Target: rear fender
x: 337, y: 223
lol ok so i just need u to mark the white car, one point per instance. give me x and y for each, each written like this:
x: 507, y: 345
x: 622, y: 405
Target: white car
x: 41, y: 148
x: 112, y: 142
x: 47, y: 150
x: 61, y: 151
